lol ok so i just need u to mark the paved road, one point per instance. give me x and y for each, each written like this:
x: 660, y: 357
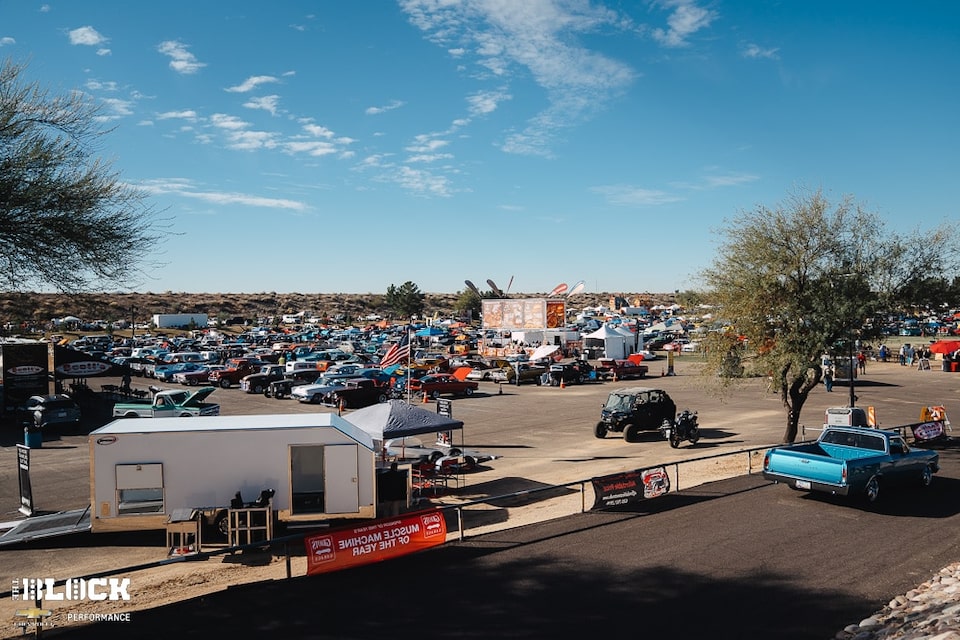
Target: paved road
x: 740, y: 558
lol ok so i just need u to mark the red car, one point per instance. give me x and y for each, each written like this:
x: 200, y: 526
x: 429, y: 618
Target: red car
x: 436, y: 384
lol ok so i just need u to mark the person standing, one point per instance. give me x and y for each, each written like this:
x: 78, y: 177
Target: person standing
x: 828, y: 378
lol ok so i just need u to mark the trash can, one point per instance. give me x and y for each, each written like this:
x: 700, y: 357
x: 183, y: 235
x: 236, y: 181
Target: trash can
x: 33, y: 437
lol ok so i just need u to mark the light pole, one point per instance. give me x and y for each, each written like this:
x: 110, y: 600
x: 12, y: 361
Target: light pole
x: 853, y: 370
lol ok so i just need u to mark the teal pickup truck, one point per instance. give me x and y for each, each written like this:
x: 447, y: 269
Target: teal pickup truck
x: 855, y: 461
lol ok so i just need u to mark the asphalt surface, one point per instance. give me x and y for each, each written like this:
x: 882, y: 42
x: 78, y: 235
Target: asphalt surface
x: 739, y: 558
x: 731, y: 559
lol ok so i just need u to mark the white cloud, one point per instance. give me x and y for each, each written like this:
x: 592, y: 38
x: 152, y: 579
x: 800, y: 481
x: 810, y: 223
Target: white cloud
x: 266, y: 103
x: 181, y: 60
x: 317, y: 130
x: 429, y: 157
x: 104, y: 52
x: 7, y: 40
x: 485, y: 102
x: 626, y: 195
x: 424, y: 144
x: 224, y: 121
x: 394, y: 104
x: 183, y: 115
x: 542, y: 37
x: 86, y: 36
x: 251, y: 83
x: 184, y: 188
x: 687, y: 18
x: 750, y: 50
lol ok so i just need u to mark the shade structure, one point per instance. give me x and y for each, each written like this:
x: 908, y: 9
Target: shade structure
x: 396, y: 419
x: 945, y: 346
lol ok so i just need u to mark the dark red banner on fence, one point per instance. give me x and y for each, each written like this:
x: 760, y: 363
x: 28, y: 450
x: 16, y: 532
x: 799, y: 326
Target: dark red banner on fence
x: 379, y: 540
x: 621, y: 489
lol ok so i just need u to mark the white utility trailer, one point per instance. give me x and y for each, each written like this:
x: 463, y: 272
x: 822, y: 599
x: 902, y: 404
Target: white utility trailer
x: 320, y: 466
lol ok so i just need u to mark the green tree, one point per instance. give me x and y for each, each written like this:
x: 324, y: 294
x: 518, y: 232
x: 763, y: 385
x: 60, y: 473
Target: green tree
x: 405, y: 300
x: 66, y: 219
x: 467, y: 304
x: 801, y: 278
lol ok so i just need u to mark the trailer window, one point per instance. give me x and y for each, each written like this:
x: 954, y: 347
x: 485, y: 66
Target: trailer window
x: 139, y: 488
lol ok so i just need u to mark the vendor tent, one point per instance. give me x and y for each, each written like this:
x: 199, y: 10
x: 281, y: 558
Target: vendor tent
x: 945, y: 346
x: 607, y: 342
x: 396, y: 419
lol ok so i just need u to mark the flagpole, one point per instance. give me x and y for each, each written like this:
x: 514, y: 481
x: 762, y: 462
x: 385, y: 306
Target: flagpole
x: 409, y: 354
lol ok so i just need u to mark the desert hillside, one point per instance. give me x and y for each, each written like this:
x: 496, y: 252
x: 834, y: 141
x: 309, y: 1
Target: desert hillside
x: 37, y: 309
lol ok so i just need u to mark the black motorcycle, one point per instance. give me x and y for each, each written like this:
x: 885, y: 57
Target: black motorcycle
x: 685, y: 427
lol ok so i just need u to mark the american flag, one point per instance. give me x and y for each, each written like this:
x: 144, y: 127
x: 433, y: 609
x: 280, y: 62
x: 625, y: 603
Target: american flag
x: 398, y: 352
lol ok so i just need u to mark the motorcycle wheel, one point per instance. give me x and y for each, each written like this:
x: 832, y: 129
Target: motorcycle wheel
x: 675, y: 437
x: 600, y: 430
x: 694, y: 435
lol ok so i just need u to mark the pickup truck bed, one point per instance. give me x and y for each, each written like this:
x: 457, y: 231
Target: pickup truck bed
x: 850, y: 461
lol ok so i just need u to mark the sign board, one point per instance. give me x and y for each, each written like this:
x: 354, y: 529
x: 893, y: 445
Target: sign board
x: 529, y: 313
x: 380, y: 540
x: 445, y: 407
x: 23, y: 469
x: 630, y: 487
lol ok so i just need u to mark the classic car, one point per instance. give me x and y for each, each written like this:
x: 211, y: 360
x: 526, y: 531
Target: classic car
x: 851, y: 461
x: 519, y: 373
x: 165, y: 372
x: 571, y: 372
x: 437, y: 384
x: 196, y: 376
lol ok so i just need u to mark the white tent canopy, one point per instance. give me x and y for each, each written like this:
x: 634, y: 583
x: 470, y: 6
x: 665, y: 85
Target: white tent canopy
x: 609, y: 342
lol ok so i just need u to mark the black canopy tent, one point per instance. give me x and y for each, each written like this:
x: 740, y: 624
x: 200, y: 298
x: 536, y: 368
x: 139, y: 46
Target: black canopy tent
x: 397, y: 419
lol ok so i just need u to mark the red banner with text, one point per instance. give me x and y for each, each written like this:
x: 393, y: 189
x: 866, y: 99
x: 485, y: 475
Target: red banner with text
x: 374, y: 542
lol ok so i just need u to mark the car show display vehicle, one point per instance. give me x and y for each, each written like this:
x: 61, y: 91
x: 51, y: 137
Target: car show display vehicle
x: 258, y: 382
x: 236, y: 369
x: 631, y: 410
x: 355, y: 393
x: 620, y: 369
x: 315, y: 392
x: 170, y: 403
x: 436, y: 384
x: 851, y: 461
x: 196, y: 376
x: 579, y: 372
x: 518, y: 373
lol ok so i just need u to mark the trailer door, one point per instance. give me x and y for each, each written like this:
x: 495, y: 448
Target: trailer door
x: 342, y: 479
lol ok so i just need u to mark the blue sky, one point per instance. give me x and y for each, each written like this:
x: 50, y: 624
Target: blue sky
x: 324, y: 147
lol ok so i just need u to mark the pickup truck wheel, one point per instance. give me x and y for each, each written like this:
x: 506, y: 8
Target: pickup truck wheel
x: 581, y: 378
x: 224, y: 384
x: 600, y: 430
x: 131, y: 414
x: 926, y: 476
x: 872, y: 491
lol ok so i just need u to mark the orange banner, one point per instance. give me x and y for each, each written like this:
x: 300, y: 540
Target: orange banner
x: 380, y: 540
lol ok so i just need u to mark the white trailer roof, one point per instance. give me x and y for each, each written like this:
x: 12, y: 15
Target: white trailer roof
x: 235, y: 423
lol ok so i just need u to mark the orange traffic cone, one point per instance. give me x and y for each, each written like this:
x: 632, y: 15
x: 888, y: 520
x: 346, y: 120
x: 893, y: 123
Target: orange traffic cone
x: 562, y: 384
x: 425, y: 398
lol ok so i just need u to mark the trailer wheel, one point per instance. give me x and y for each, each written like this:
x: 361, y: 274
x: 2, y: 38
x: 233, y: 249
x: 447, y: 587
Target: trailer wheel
x: 221, y: 524
x: 872, y: 491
